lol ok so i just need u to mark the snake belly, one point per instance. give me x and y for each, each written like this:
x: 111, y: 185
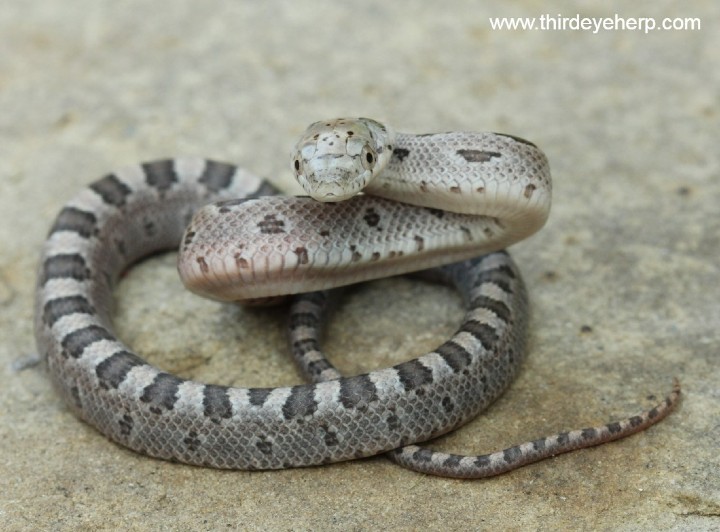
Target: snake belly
x: 145, y: 208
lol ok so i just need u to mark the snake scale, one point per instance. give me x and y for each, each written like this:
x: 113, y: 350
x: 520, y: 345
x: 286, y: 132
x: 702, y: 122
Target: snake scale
x: 240, y: 240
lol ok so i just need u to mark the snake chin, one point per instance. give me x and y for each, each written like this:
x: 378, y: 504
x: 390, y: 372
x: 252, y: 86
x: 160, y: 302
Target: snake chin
x: 332, y: 194
x: 333, y: 186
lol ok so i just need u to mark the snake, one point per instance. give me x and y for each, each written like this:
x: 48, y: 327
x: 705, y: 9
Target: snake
x: 239, y: 239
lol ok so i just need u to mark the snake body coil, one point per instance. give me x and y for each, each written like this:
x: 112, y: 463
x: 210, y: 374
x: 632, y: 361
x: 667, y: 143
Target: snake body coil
x: 254, y: 244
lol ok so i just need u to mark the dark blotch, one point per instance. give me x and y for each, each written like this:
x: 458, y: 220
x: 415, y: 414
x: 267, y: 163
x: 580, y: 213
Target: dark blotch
x: 356, y: 255
x: 477, y: 156
x: 149, y: 228
x: 330, y: 437
x: 258, y: 396
x: 217, y: 176
x: 162, y: 392
x: 302, y: 254
x: 316, y: 367
x: 538, y: 445
x: 70, y: 266
x: 423, y: 454
x: 271, y: 225
x: 300, y: 403
x: 482, y: 461
x: 511, y: 454
x: 452, y: 461
x: 371, y: 217
x: 303, y: 319
x: 265, y: 189
x: 160, y: 174
x: 614, y: 428
x: 112, y: 371
x: 126, y: 423
x: 64, y: 306
x: 189, y: 235
x: 393, y: 422
x: 192, y: 441
x: 241, y: 261
x: 216, y: 402
x: 482, y: 332
x: 499, y: 308
x: 413, y: 374
x: 588, y: 434
x: 72, y: 219
x: 400, y: 154
x: 455, y: 355
x: 75, y: 343
x: 305, y: 345
x: 357, y: 392
x: 264, y: 446
x: 203, y: 264
x: 500, y: 277
x: 111, y: 190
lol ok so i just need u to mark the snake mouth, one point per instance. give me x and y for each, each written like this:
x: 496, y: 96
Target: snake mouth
x: 333, y: 177
x: 331, y: 194
x: 332, y: 186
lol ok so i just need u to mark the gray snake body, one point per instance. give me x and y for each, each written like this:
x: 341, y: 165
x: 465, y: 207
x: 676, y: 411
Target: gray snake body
x: 146, y: 208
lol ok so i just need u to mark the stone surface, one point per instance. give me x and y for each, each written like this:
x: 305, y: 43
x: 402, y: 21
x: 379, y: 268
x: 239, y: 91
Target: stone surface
x: 623, y: 280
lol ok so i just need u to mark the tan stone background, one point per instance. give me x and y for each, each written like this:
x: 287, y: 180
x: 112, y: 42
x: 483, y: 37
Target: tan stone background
x: 630, y: 124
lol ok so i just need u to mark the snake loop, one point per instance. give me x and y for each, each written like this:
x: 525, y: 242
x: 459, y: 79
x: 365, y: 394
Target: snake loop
x: 239, y: 240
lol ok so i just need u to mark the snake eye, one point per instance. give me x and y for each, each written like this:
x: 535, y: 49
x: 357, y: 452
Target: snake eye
x: 367, y: 157
x: 297, y: 165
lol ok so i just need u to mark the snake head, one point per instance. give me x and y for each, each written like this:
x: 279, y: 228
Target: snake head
x: 335, y: 159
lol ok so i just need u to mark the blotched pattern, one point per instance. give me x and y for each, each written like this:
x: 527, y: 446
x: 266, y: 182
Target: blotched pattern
x: 264, y: 245
x: 139, y: 210
x: 437, y: 199
x: 306, y: 327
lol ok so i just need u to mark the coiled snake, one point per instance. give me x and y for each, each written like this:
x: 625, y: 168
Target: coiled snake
x: 253, y: 244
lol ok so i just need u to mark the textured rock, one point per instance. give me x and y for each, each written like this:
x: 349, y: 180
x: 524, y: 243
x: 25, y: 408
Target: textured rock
x: 623, y: 280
